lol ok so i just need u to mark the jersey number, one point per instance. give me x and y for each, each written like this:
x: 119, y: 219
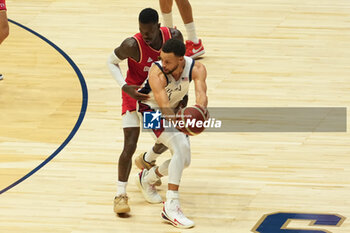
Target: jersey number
x: 278, y: 222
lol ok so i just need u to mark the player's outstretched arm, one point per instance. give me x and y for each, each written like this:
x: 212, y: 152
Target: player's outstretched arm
x: 199, y: 75
x: 128, y: 49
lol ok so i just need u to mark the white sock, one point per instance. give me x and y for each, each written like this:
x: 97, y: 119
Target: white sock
x: 151, y: 156
x: 171, y: 195
x: 151, y: 177
x: 163, y: 168
x: 121, y: 187
x: 168, y: 19
x: 191, y: 32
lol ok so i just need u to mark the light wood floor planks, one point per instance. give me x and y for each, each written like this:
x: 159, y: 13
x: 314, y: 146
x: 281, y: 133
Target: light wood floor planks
x: 270, y: 53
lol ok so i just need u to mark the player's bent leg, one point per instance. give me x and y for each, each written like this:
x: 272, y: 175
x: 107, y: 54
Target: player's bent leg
x: 179, y: 144
x: 181, y: 157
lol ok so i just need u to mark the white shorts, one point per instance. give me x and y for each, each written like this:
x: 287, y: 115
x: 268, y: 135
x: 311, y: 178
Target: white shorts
x: 130, y: 119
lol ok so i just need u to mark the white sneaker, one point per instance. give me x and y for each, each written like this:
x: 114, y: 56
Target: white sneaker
x: 172, y: 213
x: 149, y: 191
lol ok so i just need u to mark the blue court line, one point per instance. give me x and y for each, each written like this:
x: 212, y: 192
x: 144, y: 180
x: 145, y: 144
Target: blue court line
x: 82, y: 111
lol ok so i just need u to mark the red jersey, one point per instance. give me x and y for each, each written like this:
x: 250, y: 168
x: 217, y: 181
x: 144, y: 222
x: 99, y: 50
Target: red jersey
x: 2, y: 5
x: 138, y: 71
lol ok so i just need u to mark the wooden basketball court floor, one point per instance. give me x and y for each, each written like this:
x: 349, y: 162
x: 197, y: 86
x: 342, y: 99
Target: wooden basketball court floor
x: 259, y: 53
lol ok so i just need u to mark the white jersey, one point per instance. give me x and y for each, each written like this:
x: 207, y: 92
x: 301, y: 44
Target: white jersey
x: 176, y: 90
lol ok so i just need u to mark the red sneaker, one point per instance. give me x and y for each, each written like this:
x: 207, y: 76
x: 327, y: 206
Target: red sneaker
x: 194, y: 50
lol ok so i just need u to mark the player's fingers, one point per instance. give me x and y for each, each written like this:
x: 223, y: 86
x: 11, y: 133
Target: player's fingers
x: 135, y: 86
x: 141, y: 96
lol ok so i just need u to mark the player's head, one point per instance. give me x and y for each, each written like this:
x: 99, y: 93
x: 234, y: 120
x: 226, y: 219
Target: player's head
x: 148, y: 25
x: 172, y: 55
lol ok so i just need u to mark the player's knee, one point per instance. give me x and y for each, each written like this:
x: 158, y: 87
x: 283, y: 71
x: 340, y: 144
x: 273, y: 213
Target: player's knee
x: 185, y: 154
x: 180, y: 1
x: 182, y: 160
x: 184, y: 149
x: 4, y: 31
x: 129, y: 148
x: 125, y: 158
x: 187, y: 161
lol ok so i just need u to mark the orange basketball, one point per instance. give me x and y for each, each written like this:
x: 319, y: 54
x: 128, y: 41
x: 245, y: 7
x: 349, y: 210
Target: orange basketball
x: 192, y: 119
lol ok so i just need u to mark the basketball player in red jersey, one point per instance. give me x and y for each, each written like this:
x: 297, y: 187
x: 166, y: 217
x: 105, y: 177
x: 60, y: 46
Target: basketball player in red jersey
x: 4, y: 26
x: 141, y: 50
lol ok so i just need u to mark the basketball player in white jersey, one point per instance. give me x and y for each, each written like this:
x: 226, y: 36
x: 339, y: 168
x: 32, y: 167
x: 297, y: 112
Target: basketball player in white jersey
x: 167, y: 83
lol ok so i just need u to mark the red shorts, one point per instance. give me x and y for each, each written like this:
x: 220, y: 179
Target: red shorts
x: 2, y: 5
x: 128, y: 103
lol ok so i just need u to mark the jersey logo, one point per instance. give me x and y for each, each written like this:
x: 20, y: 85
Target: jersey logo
x: 149, y: 59
x: 171, y: 91
x: 151, y: 120
x: 146, y: 68
x: 184, y: 78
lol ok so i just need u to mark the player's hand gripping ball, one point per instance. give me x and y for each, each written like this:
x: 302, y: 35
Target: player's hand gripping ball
x: 193, y: 119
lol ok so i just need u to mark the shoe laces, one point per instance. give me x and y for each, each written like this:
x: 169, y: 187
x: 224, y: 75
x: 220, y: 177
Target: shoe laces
x: 122, y: 197
x: 179, y: 211
x: 178, y: 208
x: 153, y: 188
